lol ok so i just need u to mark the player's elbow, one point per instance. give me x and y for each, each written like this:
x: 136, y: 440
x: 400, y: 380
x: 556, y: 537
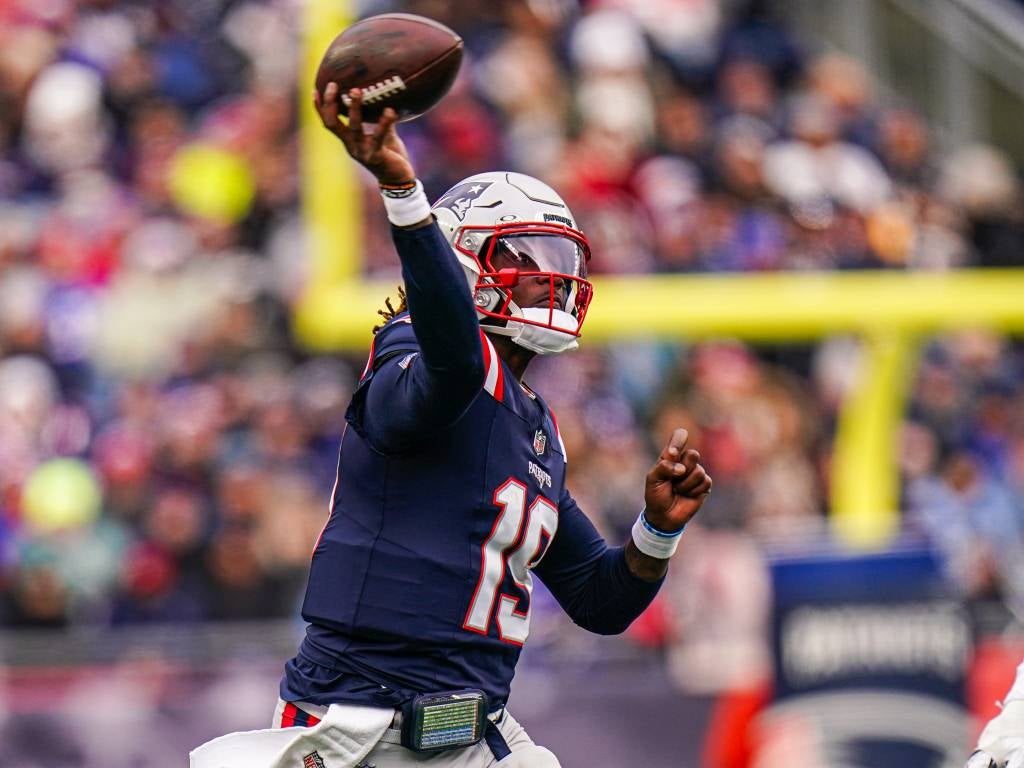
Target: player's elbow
x: 459, y: 380
x: 477, y: 370
x: 467, y: 371
x: 604, y: 625
x: 468, y: 380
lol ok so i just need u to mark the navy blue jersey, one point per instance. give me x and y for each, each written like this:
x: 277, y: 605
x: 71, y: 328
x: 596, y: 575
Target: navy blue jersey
x: 450, y: 497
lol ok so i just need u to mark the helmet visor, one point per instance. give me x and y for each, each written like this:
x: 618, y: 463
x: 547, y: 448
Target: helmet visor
x: 540, y: 253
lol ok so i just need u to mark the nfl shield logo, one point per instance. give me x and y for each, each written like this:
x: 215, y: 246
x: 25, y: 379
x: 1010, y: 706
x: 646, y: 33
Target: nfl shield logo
x: 540, y: 442
x: 312, y: 760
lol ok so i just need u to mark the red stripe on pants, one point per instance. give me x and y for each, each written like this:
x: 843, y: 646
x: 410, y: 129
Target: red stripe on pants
x: 288, y: 716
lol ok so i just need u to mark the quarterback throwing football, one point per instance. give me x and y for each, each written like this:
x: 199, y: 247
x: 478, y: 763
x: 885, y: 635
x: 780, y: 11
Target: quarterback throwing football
x: 451, y: 491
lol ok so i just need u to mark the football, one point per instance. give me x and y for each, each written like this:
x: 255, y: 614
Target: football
x: 399, y: 60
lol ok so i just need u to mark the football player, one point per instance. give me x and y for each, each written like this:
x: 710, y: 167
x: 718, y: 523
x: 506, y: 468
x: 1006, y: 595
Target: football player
x: 1001, y: 743
x: 451, y: 492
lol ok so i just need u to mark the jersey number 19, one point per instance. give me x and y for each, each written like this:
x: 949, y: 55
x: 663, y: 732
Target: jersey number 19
x: 513, y: 614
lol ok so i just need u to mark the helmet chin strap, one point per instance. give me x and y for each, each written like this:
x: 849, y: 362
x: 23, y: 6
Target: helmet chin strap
x: 546, y: 341
x: 536, y: 338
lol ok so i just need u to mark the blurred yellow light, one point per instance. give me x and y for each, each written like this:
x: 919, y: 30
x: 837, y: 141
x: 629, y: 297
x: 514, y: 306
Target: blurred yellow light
x: 60, y: 494
x: 211, y: 183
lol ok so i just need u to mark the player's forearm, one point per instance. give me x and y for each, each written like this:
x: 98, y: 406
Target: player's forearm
x: 608, y: 596
x: 645, y: 567
x: 592, y: 582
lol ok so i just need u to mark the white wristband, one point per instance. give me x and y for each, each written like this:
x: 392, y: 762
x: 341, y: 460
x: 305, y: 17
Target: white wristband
x: 652, y: 542
x: 408, y: 210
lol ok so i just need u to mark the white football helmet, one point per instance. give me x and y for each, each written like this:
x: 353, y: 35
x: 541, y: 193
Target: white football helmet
x: 526, y: 220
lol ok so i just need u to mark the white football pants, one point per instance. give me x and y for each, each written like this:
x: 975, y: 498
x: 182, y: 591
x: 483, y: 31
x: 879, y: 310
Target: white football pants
x: 356, y: 737
x: 389, y: 752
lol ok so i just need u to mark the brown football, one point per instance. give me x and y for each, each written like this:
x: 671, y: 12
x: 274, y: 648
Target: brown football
x: 399, y: 60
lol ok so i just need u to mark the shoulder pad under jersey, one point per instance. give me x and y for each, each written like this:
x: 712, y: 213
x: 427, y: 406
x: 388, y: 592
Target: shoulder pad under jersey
x: 396, y: 334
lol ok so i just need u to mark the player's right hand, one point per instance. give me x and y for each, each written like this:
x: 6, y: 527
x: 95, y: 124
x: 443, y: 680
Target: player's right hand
x: 381, y: 152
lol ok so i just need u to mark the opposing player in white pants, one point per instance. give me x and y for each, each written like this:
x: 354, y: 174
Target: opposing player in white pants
x: 1001, y: 743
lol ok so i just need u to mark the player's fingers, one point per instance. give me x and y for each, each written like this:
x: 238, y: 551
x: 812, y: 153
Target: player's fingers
x: 665, y: 471
x: 384, y: 127
x: 327, y: 105
x: 703, y: 489
x: 674, y: 448
x: 691, y: 459
x: 394, y: 142
x: 355, y: 112
x: 689, y: 482
x: 682, y: 469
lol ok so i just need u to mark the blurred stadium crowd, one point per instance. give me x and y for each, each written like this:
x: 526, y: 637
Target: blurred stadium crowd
x: 167, y: 448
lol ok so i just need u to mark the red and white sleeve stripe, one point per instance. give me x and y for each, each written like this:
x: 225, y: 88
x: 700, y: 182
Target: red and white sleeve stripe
x: 369, y: 361
x: 494, y: 381
x: 558, y: 434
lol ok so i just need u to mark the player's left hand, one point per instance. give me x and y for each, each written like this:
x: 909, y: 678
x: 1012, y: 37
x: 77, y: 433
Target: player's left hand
x: 676, y: 485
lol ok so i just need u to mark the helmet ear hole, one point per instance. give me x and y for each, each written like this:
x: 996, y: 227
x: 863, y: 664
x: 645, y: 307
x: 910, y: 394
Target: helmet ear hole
x: 486, y: 298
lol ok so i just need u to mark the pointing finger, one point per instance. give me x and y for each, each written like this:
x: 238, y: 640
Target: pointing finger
x: 675, y: 446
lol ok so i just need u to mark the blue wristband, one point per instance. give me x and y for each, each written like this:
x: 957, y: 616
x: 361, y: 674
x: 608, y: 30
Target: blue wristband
x: 657, y: 531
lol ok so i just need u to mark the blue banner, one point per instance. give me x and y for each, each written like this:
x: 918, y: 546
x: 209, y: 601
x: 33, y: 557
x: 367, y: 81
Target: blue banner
x: 870, y: 654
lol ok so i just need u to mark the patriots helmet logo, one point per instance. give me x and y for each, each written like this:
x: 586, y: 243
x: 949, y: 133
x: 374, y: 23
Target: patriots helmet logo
x: 540, y: 442
x: 460, y: 198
